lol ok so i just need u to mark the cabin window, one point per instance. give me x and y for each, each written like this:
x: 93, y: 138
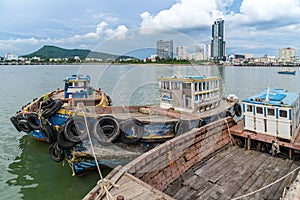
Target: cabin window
x: 249, y: 108
x: 200, y: 86
x: 259, y: 110
x: 196, y: 98
x: 283, y: 113
x: 203, y: 84
x: 196, y: 86
x: 175, y: 85
x: 207, y: 86
x: 271, y: 111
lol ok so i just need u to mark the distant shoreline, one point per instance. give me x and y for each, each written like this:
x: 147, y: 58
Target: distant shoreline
x: 149, y: 64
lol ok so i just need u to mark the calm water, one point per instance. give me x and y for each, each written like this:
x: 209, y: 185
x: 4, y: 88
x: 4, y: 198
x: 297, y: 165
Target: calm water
x: 27, y: 172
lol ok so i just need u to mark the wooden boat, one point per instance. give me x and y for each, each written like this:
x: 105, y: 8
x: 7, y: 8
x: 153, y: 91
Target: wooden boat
x: 203, y: 163
x: 273, y: 112
x: 80, y: 123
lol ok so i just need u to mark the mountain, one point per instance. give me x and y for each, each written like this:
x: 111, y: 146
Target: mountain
x: 48, y: 51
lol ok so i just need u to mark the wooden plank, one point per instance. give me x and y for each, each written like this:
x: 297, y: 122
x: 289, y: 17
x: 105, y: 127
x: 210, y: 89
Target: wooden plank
x: 276, y: 174
x: 287, y: 181
x: 252, y: 174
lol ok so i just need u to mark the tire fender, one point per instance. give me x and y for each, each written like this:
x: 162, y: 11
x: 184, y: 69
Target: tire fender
x: 106, y: 129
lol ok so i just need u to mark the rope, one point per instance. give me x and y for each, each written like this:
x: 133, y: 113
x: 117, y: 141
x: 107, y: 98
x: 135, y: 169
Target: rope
x: 230, y: 136
x: 263, y: 188
x: 104, y: 183
x: 92, y: 146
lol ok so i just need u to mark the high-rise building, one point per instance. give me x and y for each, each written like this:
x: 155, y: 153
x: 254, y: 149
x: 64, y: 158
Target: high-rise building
x: 165, y: 49
x: 287, y: 54
x: 218, y: 43
x: 181, y: 53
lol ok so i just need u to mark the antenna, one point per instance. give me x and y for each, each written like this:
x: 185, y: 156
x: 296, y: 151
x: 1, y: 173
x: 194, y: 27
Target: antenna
x: 268, y: 91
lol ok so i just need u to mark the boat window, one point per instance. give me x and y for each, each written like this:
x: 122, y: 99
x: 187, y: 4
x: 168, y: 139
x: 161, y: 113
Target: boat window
x: 200, y: 86
x: 259, y: 110
x: 186, y: 85
x: 203, y: 85
x: 249, y: 108
x: 283, y: 113
x: 271, y: 112
x: 196, y: 86
x: 207, y: 87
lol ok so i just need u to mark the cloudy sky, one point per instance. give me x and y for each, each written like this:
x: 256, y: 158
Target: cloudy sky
x: 258, y: 27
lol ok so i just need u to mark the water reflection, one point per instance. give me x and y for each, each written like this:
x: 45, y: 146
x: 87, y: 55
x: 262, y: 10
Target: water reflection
x: 38, y: 177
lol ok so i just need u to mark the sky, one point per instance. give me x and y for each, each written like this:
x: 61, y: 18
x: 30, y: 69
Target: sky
x: 129, y: 27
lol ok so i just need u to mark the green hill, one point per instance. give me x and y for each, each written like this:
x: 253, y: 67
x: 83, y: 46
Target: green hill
x: 48, y: 51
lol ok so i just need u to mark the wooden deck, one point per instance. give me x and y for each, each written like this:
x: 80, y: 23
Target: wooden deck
x: 232, y: 173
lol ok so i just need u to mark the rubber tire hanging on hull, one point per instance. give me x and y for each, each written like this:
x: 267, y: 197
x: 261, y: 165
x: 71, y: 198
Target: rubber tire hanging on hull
x: 52, y: 110
x: 182, y: 126
x: 132, y: 130
x: 237, y: 109
x: 24, y: 126
x: 56, y: 152
x: 106, y: 130
x: 14, y: 121
x: 33, y: 120
x: 47, y: 132
x: 75, y: 129
x: 62, y: 141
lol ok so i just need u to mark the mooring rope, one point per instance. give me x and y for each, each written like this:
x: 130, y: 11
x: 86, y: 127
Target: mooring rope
x: 230, y: 136
x: 104, y: 183
x: 265, y: 187
x: 92, y: 146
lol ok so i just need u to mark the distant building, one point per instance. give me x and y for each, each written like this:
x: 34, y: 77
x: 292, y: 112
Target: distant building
x: 181, y: 53
x: 165, y: 49
x: 10, y: 57
x: 218, y: 43
x: 207, y: 51
x: 286, y: 55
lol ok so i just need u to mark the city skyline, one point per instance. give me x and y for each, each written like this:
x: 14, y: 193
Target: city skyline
x: 255, y: 27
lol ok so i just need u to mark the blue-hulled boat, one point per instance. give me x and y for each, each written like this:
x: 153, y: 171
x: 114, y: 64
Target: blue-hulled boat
x: 80, y: 123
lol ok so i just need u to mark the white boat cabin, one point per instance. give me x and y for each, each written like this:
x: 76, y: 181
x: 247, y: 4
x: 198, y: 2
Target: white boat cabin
x: 273, y: 112
x: 192, y: 94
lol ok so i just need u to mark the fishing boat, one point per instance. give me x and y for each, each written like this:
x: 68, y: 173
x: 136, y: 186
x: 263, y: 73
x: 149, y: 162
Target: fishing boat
x: 287, y: 71
x: 81, y: 124
x: 273, y: 112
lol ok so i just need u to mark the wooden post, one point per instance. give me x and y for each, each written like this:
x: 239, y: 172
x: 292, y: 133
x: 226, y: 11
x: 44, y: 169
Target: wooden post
x: 291, y: 153
x: 248, y: 142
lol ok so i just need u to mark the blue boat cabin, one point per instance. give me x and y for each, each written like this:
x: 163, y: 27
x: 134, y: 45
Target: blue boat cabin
x: 77, y: 86
x: 192, y: 94
x: 273, y: 112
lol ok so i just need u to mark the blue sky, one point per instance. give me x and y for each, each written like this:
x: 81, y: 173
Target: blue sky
x: 257, y: 27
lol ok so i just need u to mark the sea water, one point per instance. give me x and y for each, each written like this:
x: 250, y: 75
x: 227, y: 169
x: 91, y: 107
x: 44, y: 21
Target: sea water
x: 26, y: 169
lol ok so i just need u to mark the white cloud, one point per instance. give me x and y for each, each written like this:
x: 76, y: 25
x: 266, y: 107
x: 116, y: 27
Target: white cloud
x: 267, y: 13
x: 186, y: 14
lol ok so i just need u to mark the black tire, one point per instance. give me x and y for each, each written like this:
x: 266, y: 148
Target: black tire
x: 75, y: 129
x: 47, y: 104
x: 62, y: 141
x: 182, y: 126
x: 47, y: 132
x: 56, y: 152
x: 132, y: 130
x: 106, y: 130
x: 24, y: 126
x: 33, y: 120
x: 201, y: 123
x: 14, y: 121
x: 51, y: 111
x: 237, y: 109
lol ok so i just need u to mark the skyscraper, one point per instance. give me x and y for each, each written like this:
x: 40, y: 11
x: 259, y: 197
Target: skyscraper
x: 218, y: 43
x: 165, y: 49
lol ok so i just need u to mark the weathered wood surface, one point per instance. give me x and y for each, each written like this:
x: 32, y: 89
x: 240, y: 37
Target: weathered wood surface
x: 232, y: 173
